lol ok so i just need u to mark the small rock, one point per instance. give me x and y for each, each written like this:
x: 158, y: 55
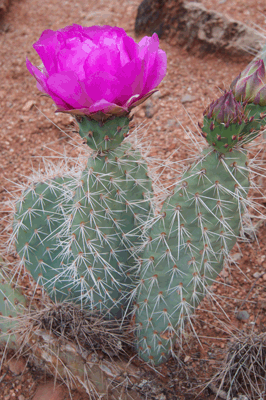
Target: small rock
x: 242, y: 315
x: 142, y: 383
x: 28, y: 105
x: 256, y: 275
x: 149, y: 111
x: 156, y: 95
x: 187, y: 98
x: 236, y: 256
x: 172, y: 122
x: 149, y: 108
x: 21, y: 397
x: 140, y: 113
x: 17, y: 366
x: 161, y: 397
x: 264, y: 277
x: 50, y: 391
x: 224, y: 273
x: 187, y: 358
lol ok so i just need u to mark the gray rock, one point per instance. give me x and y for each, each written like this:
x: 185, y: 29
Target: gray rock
x: 242, y: 315
x: 190, y: 24
x: 149, y: 111
x: 187, y: 98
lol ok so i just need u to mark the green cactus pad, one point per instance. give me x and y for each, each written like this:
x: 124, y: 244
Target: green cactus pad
x: 12, y: 304
x: 259, y: 114
x: 110, y: 204
x: 186, y: 247
x: 103, y: 135
x: 221, y: 138
x: 41, y: 230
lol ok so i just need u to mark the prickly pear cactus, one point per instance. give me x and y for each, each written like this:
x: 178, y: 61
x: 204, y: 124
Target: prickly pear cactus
x: 186, y: 245
x: 40, y: 228
x: 12, y: 305
x: 110, y: 204
x: 75, y: 235
x: 96, y: 238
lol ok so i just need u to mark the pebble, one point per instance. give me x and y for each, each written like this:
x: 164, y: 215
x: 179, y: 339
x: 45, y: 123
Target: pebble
x: 21, y: 397
x: 149, y: 111
x: 187, y: 98
x: 236, y: 256
x: 264, y: 277
x: 156, y: 95
x: 161, y: 397
x: 17, y: 366
x: 242, y: 315
x: 50, y: 391
x: 256, y: 274
x: 28, y: 105
x: 140, y: 113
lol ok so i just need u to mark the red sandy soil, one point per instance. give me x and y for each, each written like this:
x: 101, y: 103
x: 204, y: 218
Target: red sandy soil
x: 29, y: 130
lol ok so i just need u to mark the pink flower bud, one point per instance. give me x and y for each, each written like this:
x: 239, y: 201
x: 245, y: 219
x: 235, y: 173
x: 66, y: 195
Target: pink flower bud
x: 250, y: 85
x: 225, y: 110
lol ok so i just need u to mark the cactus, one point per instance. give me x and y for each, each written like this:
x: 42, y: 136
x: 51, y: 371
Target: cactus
x: 95, y: 238
x: 40, y: 231
x: 111, y: 203
x: 74, y: 235
x: 186, y: 245
x: 12, y: 304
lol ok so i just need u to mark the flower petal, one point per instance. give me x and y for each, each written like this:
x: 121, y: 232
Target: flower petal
x: 101, y: 85
x: 106, y: 60
x: 155, y: 70
x: 66, y: 86
x: 47, y: 47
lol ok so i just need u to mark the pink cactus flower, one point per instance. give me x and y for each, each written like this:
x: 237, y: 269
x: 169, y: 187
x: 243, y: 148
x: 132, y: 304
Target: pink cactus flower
x: 97, y: 71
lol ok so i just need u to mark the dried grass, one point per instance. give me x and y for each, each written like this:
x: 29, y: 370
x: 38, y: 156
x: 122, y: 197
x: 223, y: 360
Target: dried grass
x: 88, y: 329
x: 243, y: 371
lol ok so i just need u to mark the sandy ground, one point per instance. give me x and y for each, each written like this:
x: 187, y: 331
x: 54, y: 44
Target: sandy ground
x: 29, y: 130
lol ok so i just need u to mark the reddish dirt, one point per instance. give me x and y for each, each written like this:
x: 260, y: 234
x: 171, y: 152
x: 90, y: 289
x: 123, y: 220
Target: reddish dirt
x: 30, y: 130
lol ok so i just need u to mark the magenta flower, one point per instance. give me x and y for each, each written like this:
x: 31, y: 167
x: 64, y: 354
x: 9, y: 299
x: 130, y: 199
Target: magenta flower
x: 250, y: 85
x: 97, y: 70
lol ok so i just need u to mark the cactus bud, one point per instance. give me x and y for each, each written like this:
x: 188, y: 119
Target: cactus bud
x: 226, y: 109
x: 224, y: 121
x: 250, y: 85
